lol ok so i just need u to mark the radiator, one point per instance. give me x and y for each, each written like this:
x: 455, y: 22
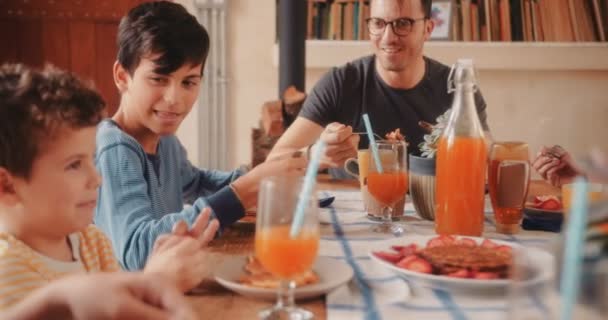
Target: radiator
x: 212, y: 103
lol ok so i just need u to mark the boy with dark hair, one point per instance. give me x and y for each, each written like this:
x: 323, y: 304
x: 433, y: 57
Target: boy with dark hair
x: 49, y: 186
x: 147, y: 177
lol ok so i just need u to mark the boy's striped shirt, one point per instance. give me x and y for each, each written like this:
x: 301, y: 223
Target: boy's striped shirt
x: 23, y: 270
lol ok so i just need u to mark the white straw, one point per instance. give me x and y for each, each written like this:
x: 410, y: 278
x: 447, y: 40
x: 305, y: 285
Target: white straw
x: 310, y: 180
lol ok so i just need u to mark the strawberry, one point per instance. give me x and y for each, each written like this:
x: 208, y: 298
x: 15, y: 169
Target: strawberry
x: 462, y: 273
x: 504, y: 248
x: 409, y: 250
x: 388, y: 256
x: 487, y: 243
x: 419, y: 265
x: 484, y: 275
x: 551, y: 204
x: 466, y: 242
x: 405, y: 261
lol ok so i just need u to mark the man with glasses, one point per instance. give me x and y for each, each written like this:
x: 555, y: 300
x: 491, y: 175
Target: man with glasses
x: 397, y: 86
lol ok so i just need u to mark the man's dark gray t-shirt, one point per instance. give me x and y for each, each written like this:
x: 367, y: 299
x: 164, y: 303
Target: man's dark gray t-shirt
x: 344, y: 94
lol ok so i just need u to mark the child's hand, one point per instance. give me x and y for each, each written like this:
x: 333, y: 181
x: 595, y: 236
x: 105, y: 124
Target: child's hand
x: 180, y: 255
x: 247, y: 186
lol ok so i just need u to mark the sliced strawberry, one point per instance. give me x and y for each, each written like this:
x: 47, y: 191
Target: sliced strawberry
x: 405, y: 261
x: 462, y: 273
x: 504, y: 248
x: 485, y: 275
x: 419, y: 265
x: 409, y: 250
x: 487, y: 243
x: 466, y: 242
x: 435, y: 242
x: 388, y: 256
x: 551, y: 204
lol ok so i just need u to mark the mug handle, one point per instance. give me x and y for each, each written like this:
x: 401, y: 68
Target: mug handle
x: 351, y: 166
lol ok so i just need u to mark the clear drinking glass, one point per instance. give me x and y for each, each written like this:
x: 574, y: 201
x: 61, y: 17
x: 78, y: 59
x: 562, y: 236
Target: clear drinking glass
x: 390, y: 185
x: 282, y: 255
x: 508, y: 180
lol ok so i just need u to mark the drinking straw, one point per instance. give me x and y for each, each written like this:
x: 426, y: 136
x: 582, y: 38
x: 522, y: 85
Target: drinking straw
x: 372, y: 142
x: 309, y: 182
x: 574, y: 241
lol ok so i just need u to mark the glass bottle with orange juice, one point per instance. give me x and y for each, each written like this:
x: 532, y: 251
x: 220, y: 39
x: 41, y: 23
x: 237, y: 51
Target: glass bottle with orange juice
x: 461, y: 160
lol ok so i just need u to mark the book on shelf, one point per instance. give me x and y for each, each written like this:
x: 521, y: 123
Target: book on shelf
x: 337, y: 19
x: 477, y: 20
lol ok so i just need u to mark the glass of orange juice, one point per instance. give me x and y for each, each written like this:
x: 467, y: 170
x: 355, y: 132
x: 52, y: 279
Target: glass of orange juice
x: 283, y: 255
x: 389, y: 184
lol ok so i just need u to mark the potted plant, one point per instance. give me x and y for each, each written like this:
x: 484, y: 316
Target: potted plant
x: 422, y: 169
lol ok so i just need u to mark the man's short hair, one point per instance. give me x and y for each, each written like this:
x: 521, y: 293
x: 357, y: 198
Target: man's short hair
x: 426, y: 7
x: 165, y: 29
x: 35, y: 106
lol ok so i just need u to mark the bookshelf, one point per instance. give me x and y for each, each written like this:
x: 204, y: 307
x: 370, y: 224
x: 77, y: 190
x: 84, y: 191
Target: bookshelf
x: 514, y: 56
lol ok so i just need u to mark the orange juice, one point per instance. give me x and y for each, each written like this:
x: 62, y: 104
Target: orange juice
x: 283, y: 256
x: 459, y: 195
x: 387, y: 188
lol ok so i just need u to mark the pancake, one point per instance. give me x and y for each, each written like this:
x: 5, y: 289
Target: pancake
x: 256, y: 276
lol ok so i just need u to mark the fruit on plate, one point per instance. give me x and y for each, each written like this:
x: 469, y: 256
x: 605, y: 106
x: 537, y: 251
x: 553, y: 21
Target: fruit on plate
x: 547, y: 203
x: 456, y: 257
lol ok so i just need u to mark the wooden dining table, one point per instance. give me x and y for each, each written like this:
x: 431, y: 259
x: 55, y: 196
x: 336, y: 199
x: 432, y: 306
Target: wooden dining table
x: 212, y: 301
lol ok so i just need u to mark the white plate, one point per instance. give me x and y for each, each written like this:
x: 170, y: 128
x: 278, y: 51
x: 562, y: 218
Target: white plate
x: 332, y: 273
x: 542, y: 264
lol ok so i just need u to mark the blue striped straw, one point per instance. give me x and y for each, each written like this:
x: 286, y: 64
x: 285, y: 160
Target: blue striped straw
x: 574, y: 242
x: 372, y: 142
x: 310, y: 180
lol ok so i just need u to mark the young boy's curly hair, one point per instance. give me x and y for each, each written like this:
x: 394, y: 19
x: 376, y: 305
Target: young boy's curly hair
x: 34, y: 106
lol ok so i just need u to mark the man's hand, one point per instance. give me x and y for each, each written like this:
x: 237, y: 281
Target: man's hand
x: 555, y: 165
x: 114, y: 296
x: 341, y: 144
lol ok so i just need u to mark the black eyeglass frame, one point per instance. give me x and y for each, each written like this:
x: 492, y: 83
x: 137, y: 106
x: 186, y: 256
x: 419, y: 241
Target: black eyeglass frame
x: 392, y: 23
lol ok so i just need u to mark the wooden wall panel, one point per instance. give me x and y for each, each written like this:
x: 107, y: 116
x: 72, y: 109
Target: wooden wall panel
x: 56, y: 43
x: 76, y: 35
x: 105, y: 44
x: 82, y: 49
x: 29, y: 42
x: 8, y: 37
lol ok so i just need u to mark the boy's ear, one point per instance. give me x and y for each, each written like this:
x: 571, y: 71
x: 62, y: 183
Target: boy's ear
x: 8, y: 194
x: 121, y: 77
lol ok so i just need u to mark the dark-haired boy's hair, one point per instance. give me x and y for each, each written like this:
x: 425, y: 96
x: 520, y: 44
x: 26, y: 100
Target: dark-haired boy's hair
x: 34, y: 107
x: 163, y: 30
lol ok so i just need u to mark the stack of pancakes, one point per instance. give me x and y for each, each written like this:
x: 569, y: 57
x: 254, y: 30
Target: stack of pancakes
x: 257, y: 276
x: 451, y: 258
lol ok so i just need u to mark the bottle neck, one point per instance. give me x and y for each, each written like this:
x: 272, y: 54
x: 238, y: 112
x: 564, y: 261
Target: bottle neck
x: 464, y: 120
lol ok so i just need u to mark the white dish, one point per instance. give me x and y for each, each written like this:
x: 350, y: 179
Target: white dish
x: 542, y: 265
x: 332, y: 273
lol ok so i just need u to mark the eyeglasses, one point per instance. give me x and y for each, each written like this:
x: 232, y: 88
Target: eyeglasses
x: 401, y: 26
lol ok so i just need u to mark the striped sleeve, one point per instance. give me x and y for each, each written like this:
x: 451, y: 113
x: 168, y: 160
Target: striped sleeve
x: 96, y: 251
x: 17, y: 280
